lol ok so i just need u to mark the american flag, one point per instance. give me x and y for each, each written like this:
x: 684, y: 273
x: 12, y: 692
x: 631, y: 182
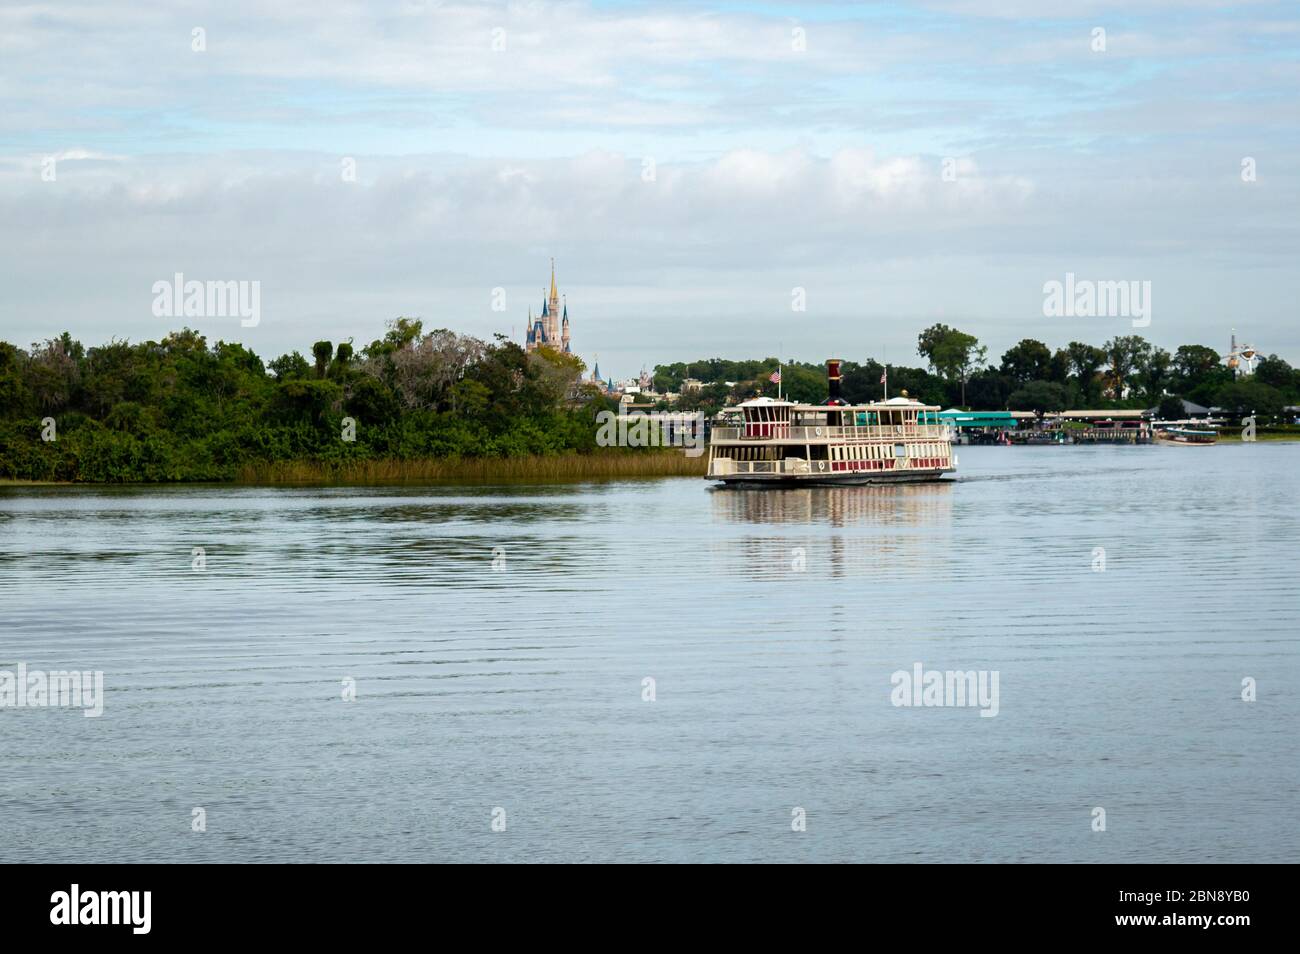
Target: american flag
x: 883, y: 375
x: 776, y: 377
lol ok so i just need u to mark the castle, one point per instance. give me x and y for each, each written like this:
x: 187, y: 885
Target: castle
x: 551, y: 330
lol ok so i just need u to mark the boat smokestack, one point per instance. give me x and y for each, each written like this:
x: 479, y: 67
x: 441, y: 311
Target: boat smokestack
x: 833, y: 381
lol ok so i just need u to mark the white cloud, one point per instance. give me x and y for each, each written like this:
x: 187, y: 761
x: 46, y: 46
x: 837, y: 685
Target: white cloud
x: 707, y: 251
x: 774, y: 168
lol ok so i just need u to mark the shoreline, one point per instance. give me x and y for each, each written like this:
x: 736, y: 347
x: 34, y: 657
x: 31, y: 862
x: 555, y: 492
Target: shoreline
x: 559, y: 468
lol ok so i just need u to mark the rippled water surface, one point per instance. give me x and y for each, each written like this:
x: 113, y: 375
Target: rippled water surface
x: 521, y: 687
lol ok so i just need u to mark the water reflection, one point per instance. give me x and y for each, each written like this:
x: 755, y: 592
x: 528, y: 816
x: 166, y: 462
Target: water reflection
x: 928, y: 504
x: 874, y: 532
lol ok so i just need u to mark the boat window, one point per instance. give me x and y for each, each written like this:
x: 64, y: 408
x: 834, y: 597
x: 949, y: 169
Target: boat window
x: 900, y: 450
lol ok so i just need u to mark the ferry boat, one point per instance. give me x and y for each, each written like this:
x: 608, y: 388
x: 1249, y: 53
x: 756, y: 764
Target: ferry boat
x: 1184, y: 436
x: 782, y: 443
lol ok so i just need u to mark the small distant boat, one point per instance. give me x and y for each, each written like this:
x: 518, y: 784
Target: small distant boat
x: 1040, y: 437
x: 1185, y: 436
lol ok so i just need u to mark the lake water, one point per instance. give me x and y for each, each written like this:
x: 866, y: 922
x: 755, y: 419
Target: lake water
x: 513, y: 686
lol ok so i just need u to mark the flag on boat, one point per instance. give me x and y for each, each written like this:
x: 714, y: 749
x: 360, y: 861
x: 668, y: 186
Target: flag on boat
x: 776, y: 377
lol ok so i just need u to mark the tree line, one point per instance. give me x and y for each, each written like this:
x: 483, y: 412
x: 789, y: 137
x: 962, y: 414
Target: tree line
x: 181, y: 409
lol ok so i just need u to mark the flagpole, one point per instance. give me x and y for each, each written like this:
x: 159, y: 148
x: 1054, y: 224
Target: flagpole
x: 779, y: 376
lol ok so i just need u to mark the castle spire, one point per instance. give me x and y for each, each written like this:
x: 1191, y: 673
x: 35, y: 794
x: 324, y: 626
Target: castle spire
x: 554, y: 295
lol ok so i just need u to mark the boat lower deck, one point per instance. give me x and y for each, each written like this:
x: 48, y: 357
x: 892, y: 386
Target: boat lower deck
x: 834, y: 480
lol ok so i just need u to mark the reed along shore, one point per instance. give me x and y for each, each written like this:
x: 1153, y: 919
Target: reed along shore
x: 557, y: 467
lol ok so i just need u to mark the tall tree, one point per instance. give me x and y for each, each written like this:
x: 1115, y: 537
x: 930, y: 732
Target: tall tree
x: 1276, y: 373
x: 1195, y: 365
x: 322, y: 351
x: 952, y: 354
x: 1154, y: 374
x: 53, y: 372
x: 1124, y: 353
x: 1041, y: 397
x: 988, y: 389
x: 1060, y: 367
x: 1030, y: 360
x: 1085, y: 361
x: 1248, y: 396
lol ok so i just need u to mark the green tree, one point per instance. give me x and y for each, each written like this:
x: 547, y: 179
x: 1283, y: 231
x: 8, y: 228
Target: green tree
x: 321, y: 351
x: 860, y: 383
x: 952, y: 354
x: 1276, y: 373
x: 1245, y: 397
x: 400, y: 334
x: 1171, y: 408
x: 1029, y: 360
x: 1085, y: 361
x: 1154, y: 374
x: 1124, y: 353
x: 1060, y: 366
x: 1195, y: 367
x: 1041, y: 397
x: 989, y: 390
x: 369, y: 399
x: 290, y: 366
x: 53, y: 373
x: 342, y: 363
x: 14, y: 397
x: 803, y: 383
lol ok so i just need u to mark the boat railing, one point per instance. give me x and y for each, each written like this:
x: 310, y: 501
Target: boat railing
x: 725, y: 466
x: 767, y: 430
x: 1113, y: 435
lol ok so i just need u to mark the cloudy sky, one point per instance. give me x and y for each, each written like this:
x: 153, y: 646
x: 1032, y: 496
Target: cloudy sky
x: 687, y: 165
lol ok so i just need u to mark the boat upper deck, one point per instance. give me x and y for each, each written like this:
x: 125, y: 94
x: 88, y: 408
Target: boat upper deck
x: 766, y: 419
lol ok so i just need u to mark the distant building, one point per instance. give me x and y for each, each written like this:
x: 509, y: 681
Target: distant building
x: 1190, y: 410
x: 551, y: 330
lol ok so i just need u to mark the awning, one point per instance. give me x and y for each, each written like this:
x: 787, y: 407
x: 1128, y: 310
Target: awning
x: 978, y: 418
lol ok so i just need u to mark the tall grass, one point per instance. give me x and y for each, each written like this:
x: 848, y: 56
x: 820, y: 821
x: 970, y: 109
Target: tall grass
x: 560, y: 467
x: 1262, y: 434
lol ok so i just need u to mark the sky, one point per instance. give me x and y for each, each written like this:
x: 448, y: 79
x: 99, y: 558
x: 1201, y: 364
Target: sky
x: 727, y: 179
